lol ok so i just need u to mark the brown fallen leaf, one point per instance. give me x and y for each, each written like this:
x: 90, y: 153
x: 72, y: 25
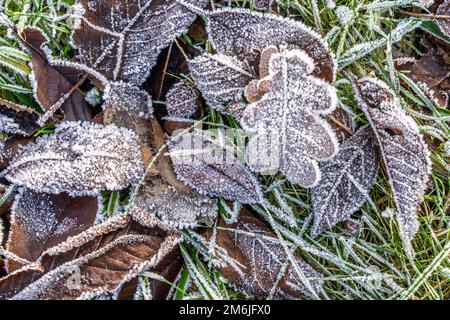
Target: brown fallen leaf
x: 52, y: 82
x: 430, y: 73
x: 261, y: 266
x: 10, y: 148
x: 15, y: 119
x: 40, y: 221
x: 100, y: 260
x: 122, y: 39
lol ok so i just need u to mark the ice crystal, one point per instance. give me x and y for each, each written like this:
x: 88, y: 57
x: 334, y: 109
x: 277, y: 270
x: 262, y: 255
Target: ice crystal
x: 181, y: 100
x: 122, y: 39
x: 403, y: 149
x: 244, y: 33
x: 93, y: 97
x: 129, y: 98
x: 172, y: 206
x: 80, y: 158
x: 346, y: 181
x: 288, y: 116
x: 344, y: 14
x: 222, y: 80
x: 212, y: 171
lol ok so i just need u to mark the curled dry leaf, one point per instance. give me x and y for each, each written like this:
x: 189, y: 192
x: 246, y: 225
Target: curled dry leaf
x: 80, y: 158
x: 225, y: 29
x: 40, y: 221
x: 122, y: 39
x: 52, y: 81
x: 290, y: 134
x: 403, y: 149
x: 173, y: 207
x: 346, y: 181
x: 261, y: 266
x: 222, y: 80
x: 15, y: 119
x: 210, y: 170
x: 100, y: 260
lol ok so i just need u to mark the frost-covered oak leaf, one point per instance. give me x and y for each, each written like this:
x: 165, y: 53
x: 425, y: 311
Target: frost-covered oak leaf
x: 290, y: 134
x: 244, y: 34
x: 222, y: 80
x: 346, y: 181
x: 173, y: 207
x: 210, y: 170
x: 122, y: 39
x: 80, y: 158
x: 40, y: 221
x: 16, y: 119
x: 261, y: 267
x: 404, y: 152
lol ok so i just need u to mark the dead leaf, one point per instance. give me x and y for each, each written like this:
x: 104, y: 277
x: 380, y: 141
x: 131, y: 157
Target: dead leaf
x: 444, y: 10
x: 80, y: 158
x: 40, y: 221
x: 175, y: 208
x: 211, y: 171
x: 225, y: 29
x: 290, y: 134
x: 51, y: 82
x: 100, y: 260
x: 222, y: 80
x: 16, y: 119
x: 429, y: 73
x: 261, y: 267
x: 404, y: 152
x: 129, y: 107
x: 122, y: 40
x: 346, y: 181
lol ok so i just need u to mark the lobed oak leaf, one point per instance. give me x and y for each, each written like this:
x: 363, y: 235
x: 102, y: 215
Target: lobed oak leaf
x: 404, y: 152
x: 40, y: 221
x: 346, y: 181
x: 290, y: 135
x: 262, y: 267
x: 80, y: 158
x: 122, y: 40
x: 243, y: 34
